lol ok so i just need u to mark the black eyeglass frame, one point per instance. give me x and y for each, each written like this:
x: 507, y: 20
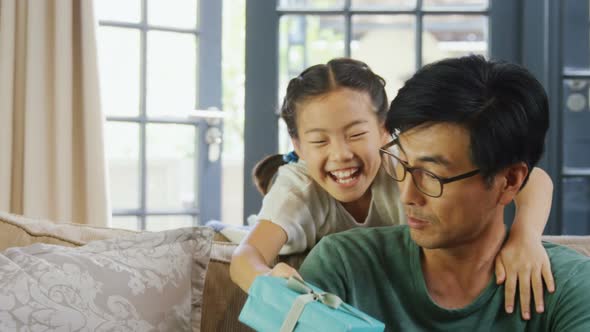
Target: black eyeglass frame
x: 408, y: 169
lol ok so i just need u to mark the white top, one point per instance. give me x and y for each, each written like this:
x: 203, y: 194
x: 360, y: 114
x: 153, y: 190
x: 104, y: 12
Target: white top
x: 307, y: 212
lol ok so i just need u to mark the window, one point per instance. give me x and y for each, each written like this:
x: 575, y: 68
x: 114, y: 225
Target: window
x: 575, y: 112
x: 394, y: 37
x: 151, y: 71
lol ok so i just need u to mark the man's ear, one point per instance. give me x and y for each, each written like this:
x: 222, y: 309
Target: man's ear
x: 512, y: 179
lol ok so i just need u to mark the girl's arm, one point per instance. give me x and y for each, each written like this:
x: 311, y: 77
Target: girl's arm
x: 523, y: 257
x: 256, y: 252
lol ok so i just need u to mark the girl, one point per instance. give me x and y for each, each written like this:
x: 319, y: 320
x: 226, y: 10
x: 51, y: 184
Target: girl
x: 335, y: 116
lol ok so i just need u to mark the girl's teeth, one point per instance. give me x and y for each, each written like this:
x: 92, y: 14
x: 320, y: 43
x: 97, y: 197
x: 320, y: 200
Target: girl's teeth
x: 344, y: 174
x: 344, y: 181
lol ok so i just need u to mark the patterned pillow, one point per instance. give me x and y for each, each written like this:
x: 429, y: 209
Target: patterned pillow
x: 20, y: 231
x: 143, y: 282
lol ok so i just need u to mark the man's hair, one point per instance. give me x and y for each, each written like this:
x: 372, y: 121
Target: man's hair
x: 502, y: 105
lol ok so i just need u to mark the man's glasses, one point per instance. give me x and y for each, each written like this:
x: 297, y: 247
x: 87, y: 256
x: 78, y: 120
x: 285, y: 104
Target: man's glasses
x: 428, y: 183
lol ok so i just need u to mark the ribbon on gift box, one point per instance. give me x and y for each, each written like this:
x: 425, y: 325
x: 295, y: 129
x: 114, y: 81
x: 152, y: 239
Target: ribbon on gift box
x: 308, y: 295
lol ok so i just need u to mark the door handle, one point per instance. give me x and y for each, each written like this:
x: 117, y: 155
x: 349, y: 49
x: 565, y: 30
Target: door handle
x: 214, y: 138
x: 213, y: 134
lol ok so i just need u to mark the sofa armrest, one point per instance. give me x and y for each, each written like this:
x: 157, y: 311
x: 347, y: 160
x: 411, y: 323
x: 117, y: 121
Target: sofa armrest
x: 222, y: 299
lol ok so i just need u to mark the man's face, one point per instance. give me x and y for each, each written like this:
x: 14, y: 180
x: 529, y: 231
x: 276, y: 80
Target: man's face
x: 466, y: 208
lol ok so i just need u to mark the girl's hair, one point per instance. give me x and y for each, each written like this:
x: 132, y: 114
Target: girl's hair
x: 264, y: 172
x: 316, y: 81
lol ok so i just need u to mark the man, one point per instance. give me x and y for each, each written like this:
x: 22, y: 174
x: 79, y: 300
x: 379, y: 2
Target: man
x: 468, y: 132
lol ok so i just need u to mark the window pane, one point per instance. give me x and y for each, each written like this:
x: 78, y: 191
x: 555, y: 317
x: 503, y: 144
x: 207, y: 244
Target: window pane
x: 306, y: 41
x: 576, y: 206
x: 162, y: 223
x: 233, y: 69
x: 310, y: 4
x: 453, y: 36
x: 384, y: 4
x: 285, y: 144
x: 171, y: 73
x: 171, y: 167
x: 576, y: 34
x: 117, y: 10
x: 177, y: 14
x: 576, y: 121
x: 125, y: 222
x: 119, y: 62
x: 232, y: 188
x: 122, y: 143
x: 455, y: 4
x: 376, y: 40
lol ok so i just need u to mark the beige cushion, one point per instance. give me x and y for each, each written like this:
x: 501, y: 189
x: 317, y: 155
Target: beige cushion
x: 19, y: 231
x: 142, y: 282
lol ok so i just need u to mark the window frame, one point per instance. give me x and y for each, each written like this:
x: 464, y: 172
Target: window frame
x: 262, y: 70
x: 207, y: 177
x: 558, y: 74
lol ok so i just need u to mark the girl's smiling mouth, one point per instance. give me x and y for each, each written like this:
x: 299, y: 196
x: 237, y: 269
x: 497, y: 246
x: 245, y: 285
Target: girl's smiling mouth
x: 345, y: 176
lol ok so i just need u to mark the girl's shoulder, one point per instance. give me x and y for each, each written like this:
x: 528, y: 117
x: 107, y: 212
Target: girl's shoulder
x: 293, y: 179
x: 386, y: 199
x: 293, y: 175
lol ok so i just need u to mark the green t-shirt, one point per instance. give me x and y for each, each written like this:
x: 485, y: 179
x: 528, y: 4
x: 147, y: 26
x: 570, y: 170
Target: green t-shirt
x: 378, y: 271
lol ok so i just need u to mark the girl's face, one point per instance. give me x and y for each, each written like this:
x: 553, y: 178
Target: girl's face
x: 339, y: 137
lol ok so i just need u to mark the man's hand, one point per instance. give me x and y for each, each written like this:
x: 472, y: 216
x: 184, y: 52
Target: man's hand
x: 524, y: 260
x: 283, y: 270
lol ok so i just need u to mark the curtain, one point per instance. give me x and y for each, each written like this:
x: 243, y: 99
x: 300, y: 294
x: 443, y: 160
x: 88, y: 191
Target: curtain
x: 52, y: 159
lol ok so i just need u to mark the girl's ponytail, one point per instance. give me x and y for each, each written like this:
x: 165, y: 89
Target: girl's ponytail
x: 265, y: 171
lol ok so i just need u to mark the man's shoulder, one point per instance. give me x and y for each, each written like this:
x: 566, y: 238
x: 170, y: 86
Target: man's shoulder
x: 365, y: 248
x: 567, y: 308
x: 374, y: 236
x: 563, y: 254
x: 567, y: 263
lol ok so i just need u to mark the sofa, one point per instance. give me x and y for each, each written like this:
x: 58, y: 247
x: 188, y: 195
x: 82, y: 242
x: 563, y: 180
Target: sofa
x: 221, y: 299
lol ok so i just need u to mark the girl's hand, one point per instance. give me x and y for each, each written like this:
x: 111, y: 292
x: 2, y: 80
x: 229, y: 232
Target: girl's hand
x: 524, y: 260
x: 283, y: 270
x: 257, y: 250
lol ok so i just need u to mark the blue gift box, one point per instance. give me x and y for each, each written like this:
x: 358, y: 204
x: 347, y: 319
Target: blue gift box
x: 277, y: 304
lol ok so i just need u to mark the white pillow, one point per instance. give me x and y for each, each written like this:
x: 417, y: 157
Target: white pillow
x: 20, y: 231
x: 143, y: 282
